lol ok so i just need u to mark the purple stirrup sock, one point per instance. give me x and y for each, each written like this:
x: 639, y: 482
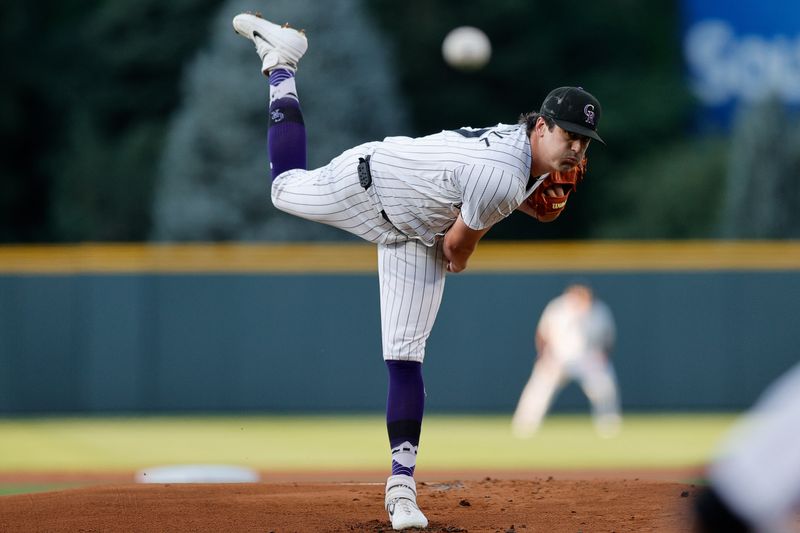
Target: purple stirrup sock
x: 287, y: 131
x: 404, y: 407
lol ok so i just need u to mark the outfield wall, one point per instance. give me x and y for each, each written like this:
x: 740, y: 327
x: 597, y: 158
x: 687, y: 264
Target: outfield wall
x: 702, y: 325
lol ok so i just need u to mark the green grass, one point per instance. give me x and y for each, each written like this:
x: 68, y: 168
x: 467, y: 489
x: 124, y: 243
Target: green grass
x: 350, y: 442
x: 16, y: 488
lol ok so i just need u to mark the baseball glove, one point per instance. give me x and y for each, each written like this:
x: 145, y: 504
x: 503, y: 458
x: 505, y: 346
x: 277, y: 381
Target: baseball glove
x: 547, y: 208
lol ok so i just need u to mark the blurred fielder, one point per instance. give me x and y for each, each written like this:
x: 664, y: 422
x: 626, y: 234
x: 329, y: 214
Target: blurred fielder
x: 426, y: 203
x: 754, y: 480
x: 574, y: 339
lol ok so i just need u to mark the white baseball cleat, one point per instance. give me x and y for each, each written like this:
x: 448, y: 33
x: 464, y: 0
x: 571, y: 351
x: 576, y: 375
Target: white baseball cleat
x: 277, y: 46
x: 401, y: 503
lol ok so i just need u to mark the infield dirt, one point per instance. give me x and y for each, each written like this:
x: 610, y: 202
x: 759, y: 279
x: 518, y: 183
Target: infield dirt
x: 546, y: 504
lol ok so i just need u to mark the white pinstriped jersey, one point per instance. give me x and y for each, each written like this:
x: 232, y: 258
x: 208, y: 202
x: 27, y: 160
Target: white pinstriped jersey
x: 423, y: 183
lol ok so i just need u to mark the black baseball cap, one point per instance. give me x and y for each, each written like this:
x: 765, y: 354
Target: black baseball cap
x: 573, y: 109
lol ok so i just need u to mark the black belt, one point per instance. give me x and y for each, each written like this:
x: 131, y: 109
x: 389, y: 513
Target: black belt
x: 365, y: 179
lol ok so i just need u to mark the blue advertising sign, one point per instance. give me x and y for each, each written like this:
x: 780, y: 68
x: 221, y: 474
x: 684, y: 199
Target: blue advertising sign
x: 742, y: 51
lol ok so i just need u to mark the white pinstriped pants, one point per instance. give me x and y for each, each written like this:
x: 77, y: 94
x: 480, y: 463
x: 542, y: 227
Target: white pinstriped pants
x: 411, y: 274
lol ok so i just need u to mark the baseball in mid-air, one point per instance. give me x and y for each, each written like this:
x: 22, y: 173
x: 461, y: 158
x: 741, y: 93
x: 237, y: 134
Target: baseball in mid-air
x: 466, y: 48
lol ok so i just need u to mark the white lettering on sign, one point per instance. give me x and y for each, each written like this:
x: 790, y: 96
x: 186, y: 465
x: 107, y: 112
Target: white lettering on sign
x: 726, y: 66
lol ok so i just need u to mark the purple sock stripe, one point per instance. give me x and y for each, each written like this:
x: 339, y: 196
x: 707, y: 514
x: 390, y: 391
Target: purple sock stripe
x: 401, y: 431
x: 286, y: 139
x: 276, y: 76
x: 405, y: 402
x: 406, y: 398
x: 398, y: 469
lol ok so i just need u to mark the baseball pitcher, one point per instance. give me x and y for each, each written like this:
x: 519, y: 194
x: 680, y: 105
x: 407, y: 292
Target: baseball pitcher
x: 425, y: 202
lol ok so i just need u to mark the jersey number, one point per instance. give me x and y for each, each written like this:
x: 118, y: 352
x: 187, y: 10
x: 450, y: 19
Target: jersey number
x: 477, y: 133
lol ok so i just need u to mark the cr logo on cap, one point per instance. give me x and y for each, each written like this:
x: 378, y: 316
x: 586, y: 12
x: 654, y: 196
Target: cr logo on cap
x: 588, y: 110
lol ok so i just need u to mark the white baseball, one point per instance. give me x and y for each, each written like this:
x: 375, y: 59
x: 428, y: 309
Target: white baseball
x: 466, y: 48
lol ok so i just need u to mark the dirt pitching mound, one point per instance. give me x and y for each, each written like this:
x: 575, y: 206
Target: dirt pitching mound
x: 532, y: 505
